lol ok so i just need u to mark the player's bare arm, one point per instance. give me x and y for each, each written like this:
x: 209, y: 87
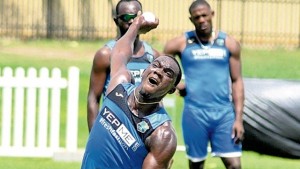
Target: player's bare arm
x: 175, y: 46
x: 162, y: 146
x: 122, y: 52
x: 97, y: 81
x: 237, y: 87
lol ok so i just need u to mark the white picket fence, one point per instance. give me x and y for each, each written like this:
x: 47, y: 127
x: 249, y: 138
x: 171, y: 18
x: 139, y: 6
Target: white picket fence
x: 31, y: 109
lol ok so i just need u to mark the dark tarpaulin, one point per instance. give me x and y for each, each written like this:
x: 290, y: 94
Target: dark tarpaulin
x: 272, y: 117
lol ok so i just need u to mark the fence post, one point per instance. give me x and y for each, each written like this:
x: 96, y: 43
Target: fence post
x: 6, y: 108
x: 72, y: 109
x: 19, y: 108
x: 43, y: 110
x: 21, y: 133
x: 31, y: 110
x: 55, y: 109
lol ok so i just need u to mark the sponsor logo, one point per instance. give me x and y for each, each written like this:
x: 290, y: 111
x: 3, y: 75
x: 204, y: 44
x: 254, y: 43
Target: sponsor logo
x: 113, y: 132
x: 125, y: 135
x: 116, y: 128
x: 137, y: 74
x: 211, y: 53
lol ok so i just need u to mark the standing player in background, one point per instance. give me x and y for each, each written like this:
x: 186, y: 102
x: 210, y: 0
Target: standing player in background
x: 133, y: 130
x: 213, y: 92
x: 143, y: 55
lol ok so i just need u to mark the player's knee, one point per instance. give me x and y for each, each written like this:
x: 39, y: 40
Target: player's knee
x: 196, y: 165
x: 232, y: 163
x: 234, y: 166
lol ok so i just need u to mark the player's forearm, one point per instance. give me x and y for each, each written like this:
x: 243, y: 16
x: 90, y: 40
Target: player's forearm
x: 91, y: 119
x: 123, y: 49
x: 92, y: 112
x: 238, y: 99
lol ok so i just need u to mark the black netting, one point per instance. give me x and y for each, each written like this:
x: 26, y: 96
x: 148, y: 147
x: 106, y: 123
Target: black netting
x: 272, y: 117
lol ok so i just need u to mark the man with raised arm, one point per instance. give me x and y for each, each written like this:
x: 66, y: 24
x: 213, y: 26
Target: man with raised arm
x: 133, y: 130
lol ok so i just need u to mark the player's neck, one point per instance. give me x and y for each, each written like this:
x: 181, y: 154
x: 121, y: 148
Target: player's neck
x: 206, y: 40
x: 206, y: 37
x: 142, y: 102
x: 140, y: 108
x: 137, y: 45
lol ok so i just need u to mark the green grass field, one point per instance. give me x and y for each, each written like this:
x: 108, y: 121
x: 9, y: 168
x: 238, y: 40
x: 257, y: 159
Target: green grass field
x: 62, y: 54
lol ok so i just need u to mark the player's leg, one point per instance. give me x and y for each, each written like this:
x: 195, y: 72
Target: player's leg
x: 232, y: 162
x: 196, y: 165
x: 222, y: 143
x: 195, y: 136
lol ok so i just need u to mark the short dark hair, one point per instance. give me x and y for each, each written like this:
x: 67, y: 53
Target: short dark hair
x: 121, y: 1
x: 197, y: 3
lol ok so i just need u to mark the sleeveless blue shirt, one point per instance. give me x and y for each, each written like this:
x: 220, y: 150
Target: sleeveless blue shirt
x: 136, y: 65
x: 207, y: 72
x: 116, y: 140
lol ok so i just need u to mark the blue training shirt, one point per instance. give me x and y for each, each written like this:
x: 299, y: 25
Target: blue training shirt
x: 117, y: 138
x: 136, y: 65
x: 207, y: 72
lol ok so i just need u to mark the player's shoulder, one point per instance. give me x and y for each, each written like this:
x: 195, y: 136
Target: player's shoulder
x: 180, y: 38
x: 164, y: 132
x: 163, y: 140
x: 106, y: 49
x: 232, y: 44
x: 175, y: 45
x: 102, y: 56
x: 148, y: 48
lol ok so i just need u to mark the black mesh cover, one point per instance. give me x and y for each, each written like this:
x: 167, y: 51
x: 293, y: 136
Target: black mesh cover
x: 272, y: 117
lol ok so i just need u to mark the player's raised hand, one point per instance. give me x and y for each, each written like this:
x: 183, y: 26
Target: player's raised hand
x: 146, y: 22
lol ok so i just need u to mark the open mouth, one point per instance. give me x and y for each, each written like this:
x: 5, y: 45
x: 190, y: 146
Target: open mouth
x: 203, y: 27
x: 153, y: 81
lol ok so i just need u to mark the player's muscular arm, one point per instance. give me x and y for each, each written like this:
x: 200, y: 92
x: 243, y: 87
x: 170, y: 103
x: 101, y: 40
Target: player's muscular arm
x: 97, y: 81
x: 123, y: 50
x: 236, y: 75
x: 175, y: 46
x: 237, y: 86
x: 162, y: 146
x: 181, y: 89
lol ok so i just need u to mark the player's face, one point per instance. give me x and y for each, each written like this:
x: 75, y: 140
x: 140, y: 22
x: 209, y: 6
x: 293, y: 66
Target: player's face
x: 201, y: 17
x: 159, y: 78
x: 127, y: 12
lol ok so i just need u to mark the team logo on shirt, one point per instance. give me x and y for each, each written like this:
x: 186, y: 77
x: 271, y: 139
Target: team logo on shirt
x: 119, y: 94
x: 150, y: 58
x: 142, y: 126
x: 220, y: 42
x: 192, y: 40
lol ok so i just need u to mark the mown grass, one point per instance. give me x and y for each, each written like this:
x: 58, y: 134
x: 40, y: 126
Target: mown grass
x: 250, y: 160
x: 63, y: 54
